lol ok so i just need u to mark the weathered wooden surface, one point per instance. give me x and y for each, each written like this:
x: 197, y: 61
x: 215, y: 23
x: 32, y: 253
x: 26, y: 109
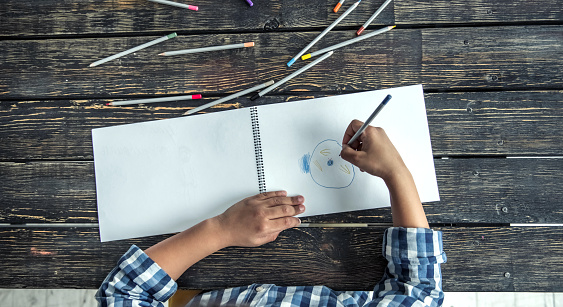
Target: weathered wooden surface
x: 466, y: 123
x: 52, y: 17
x: 349, y: 259
x: 493, y: 58
x: 471, y: 190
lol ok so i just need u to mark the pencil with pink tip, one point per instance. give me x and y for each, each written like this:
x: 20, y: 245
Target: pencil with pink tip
x: 176, y: 4
x: 366, y: 24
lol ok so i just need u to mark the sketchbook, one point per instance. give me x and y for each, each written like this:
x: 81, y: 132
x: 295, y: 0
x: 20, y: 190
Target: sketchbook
x: 165, y: 176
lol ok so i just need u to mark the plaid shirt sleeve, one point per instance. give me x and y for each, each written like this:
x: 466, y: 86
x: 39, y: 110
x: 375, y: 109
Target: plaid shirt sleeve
x: 136, y: 281
x: 412, y: 276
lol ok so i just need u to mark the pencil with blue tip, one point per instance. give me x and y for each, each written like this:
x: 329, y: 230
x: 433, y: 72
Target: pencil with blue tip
x: 370, y: 119
x: 126, y: 52
x: 348, y: 11
x: 346, y: 43
x: 367, y: 23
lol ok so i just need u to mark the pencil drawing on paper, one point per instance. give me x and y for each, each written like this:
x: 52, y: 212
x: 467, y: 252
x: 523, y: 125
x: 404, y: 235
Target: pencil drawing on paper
x: 326, y: 167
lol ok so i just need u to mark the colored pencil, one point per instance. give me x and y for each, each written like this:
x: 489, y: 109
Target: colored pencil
x: 126, y: 52
x: 370, y: 119
x: 297, y: 72
x: 348, y: 11
x: 205, y: 49
x: 249, y: 3
x: 338, y: 5
x: 230, y: 97
x: 152, y: 100
x: 346, y: 43
x: 366, y: 24
x: 176, y: 4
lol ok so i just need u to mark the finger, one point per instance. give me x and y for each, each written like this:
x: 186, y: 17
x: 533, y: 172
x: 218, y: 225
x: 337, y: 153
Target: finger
x: 285, y: 210
x: 284, y: 223
x: 352, y: 128
x: 351, y: 155
x: 268, y: 195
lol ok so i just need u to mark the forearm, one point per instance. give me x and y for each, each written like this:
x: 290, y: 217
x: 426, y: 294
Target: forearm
x: 179, y: 252
x: 405, y: 203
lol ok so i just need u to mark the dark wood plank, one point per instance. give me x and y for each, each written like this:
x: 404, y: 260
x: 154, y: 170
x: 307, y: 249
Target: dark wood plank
x: 438, y: 58
x: 468, y: 123
x: 342, y: 258
x: 481, y: 11
x: 51, y: 17
x: 472, y: 191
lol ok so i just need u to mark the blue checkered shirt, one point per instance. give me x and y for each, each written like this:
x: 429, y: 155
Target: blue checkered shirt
x: 412, y: 278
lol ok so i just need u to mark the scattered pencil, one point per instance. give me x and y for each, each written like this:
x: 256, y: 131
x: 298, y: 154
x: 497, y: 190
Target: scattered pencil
x: 249, y: 3
x: 176, y: 4
x: 284, y: 80
x: 152, y: 100
x: 366, y: 24
x: 205, y: 49
x: 348, y: 11
x: 338, y: 5
x: 126, y: 52
x: 230, y: 97
x: 346, y: 43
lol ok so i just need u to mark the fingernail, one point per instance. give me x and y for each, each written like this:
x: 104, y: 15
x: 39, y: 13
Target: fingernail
x: 301, y: 208
x: 300, y: 198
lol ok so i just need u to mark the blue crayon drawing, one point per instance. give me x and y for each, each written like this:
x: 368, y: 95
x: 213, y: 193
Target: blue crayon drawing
x: 326, y: 167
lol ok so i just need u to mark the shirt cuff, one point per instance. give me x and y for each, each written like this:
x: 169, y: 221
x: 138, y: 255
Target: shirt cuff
x: 413, y: 246
x: 147, y: 274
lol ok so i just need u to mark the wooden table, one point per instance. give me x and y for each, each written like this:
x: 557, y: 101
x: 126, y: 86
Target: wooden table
x: 493, y: 78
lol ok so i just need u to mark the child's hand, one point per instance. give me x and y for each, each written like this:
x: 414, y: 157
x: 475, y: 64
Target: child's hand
x: 372, y: 152
x: 259, y: 219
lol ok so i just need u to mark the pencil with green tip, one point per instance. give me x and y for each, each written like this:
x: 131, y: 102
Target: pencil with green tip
x: 126, y: 52
x: 346, y: 43
x: 366, y: 24
x: 348, y: 11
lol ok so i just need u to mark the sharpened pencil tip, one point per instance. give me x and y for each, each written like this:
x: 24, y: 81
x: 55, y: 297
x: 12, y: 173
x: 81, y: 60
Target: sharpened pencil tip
x: 92, y: 65
x: 108, y: 104
x: 162, y: 53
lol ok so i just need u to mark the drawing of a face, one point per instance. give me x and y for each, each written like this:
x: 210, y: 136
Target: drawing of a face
x: 326, y: 167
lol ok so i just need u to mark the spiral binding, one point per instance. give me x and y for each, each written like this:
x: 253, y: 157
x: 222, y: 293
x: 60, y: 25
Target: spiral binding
x: 258, y: 149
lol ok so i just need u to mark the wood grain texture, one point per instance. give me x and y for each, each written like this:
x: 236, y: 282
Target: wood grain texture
x: 471, y: 190
x: 482, y: 11
x: 344, y: 259
x: 51, y: 17
x: 493, y: 58
x: 467, y: 123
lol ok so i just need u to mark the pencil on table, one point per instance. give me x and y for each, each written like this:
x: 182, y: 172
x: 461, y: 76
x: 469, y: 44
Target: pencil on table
x: 126, y: 52
x: 176, y: 4
x: 294, y: 74
x: 249, y: 3
x: 230, y: 97
x: 152, y: 100
x: 338, y: 5
x: 346, y: 43
x: 348, y: 11
x: 205, y: 49
x: 366, y: 24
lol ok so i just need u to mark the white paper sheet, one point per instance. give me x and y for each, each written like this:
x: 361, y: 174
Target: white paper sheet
x: 291, y: 131
x: 166, y: 176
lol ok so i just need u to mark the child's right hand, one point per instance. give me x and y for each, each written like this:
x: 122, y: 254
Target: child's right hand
x: 372, y: 152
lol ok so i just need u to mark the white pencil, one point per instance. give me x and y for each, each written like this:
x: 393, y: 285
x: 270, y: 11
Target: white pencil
x: 205, y: 49
x: 381, y: 8
x: 126, y: 52
x: 284, y: 80
x: 176, y: 4
x: 348, y: 11
x: 346, y: 43
x: 233, y: 96
x: 152, y: 100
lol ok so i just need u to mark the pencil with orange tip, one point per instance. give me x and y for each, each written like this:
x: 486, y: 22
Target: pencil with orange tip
x: 338, y: 5
x: 205, y: 49
x: 366, y: 24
